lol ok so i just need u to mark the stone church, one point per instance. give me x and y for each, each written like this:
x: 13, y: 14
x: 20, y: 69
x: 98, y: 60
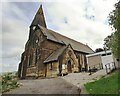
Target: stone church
x: 48, y: 53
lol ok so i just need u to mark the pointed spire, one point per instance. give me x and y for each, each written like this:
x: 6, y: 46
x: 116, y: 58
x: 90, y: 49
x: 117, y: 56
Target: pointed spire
x: 39, y: 18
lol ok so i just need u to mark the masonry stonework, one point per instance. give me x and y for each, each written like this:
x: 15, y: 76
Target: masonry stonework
x: 49, y: 54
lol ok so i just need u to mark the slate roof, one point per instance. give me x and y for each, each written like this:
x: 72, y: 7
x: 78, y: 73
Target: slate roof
x: 56, y: 37
x: 54, y: 56
x: 39, y: 18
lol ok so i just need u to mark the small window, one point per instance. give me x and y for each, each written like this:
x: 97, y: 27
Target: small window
x: 30, y: 61
x: 36, y: 41
x: 70, y: 52
x: 34, y: 27
x: 63, y: 66
x: 24, y: 57
x: 103, y: 54
x: 108, y: 53
x: 50, y: 66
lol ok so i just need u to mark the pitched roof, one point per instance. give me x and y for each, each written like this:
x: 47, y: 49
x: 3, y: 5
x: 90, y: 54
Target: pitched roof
x: 56, y: 37
x: 54, y: 56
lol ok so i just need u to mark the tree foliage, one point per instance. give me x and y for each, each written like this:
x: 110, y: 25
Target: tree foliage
x: 99, y: 50
x: 8, y: 82
x: 108, y: 42
x: 114, y: 21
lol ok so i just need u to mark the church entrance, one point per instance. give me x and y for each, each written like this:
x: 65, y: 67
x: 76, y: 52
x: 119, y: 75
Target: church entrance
x: 69, y: 67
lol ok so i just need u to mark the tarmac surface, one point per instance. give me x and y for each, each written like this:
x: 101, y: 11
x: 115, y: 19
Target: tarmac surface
x: 79, y: 79
x: 45, y: 86
x: 72, y: 83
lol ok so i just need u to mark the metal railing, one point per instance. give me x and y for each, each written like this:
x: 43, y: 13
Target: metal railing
x: 95, y: 68
x: 110, y: 67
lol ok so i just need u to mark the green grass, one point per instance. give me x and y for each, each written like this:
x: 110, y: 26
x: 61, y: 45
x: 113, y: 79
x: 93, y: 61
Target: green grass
x: 105, y: 85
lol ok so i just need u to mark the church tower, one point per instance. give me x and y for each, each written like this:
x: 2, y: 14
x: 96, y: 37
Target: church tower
x: 39, y: 19
x: 30, y: 56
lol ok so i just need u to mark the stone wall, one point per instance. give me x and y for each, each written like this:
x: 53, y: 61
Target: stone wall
x: 48, y: 47
x: 37, y: 49
x: 70, y: 56
x: 52, y: 69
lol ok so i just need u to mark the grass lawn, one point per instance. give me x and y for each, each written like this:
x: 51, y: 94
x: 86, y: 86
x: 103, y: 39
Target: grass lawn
x: 105, y: 85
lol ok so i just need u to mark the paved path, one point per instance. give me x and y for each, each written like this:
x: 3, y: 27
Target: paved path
x: 69, y: 84
x: 79, y: 79
x: 45, y: 86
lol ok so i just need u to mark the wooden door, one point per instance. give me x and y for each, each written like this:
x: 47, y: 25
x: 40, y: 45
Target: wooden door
x: 69, y: 67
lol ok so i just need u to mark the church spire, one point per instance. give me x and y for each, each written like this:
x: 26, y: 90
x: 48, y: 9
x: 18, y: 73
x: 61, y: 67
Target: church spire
x: 39, y: 18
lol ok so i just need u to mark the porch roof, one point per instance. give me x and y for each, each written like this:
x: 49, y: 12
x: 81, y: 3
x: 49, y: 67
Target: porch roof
x: 54, y: 56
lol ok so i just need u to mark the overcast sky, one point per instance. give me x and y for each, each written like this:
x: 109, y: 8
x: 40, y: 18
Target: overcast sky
x: 82, y: 20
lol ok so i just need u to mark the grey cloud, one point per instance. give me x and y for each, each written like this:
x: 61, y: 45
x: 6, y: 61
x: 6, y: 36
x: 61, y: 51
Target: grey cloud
x: 8, y: 66
x: 66, y: 18
x: 14, y: 35
x: 16, y: 18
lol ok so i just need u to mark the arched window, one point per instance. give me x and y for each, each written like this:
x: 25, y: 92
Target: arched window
x: 70, y: 53
x: 34, y: 27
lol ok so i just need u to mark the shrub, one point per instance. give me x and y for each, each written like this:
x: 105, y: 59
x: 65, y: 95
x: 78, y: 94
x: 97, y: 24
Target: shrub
x: 8, y: 82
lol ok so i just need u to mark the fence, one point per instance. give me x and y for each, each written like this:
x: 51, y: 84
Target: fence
x: 95, y: 68
x: 110, y: 67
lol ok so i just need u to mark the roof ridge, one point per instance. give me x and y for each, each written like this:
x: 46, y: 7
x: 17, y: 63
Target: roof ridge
x: 57, y: 37
x: 65, y: 37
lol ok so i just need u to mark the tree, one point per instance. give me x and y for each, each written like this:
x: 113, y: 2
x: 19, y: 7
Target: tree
x: 108, y: 42
x: 99, y: 50
x: 114, y: 21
